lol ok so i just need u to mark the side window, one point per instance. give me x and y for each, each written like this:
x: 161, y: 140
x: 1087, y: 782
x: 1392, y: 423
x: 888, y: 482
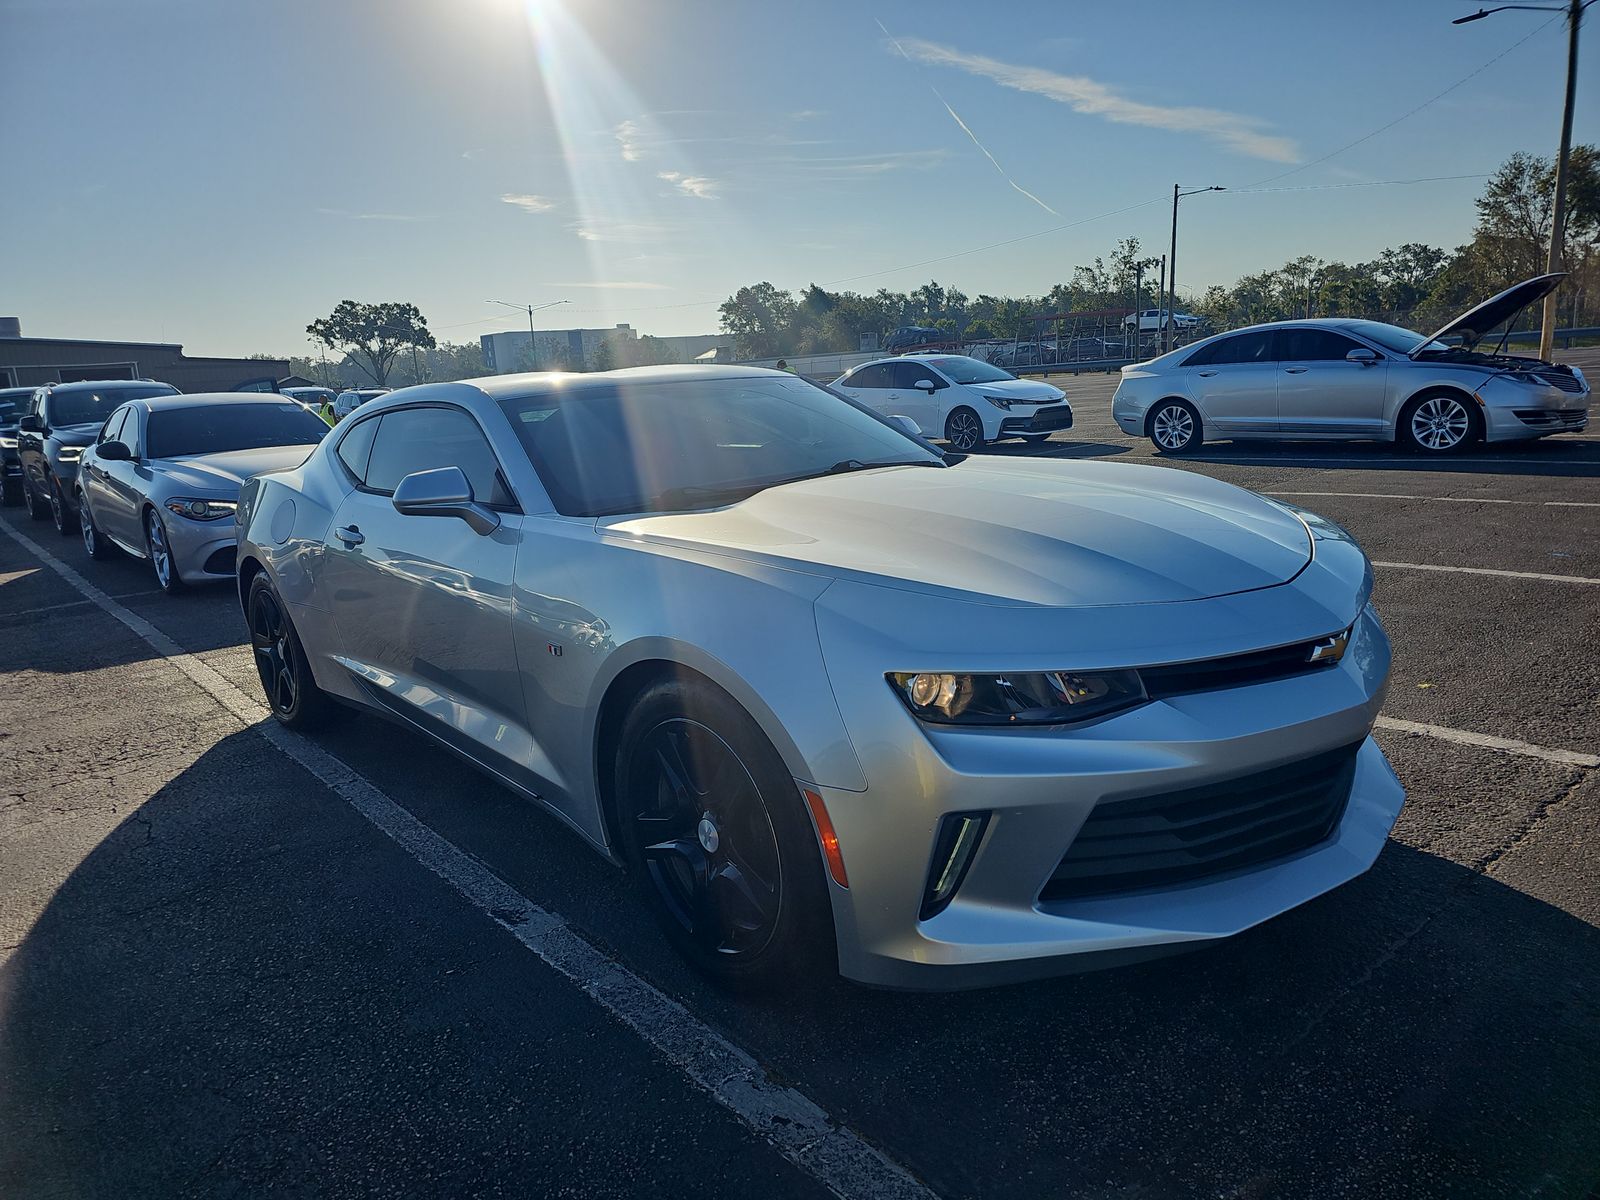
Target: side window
x: 1206, y: 355
x: 1313, y: 345
x: 356, y: 446
x: 875, y: 375
x: 1245, y: 348
x: 130, y: 435
x: 906, y: 376
x: 421, y: 439
x: 111, y: 431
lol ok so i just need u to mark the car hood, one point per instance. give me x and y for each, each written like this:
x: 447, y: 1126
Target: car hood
x: 1497, y: 310
x: 76, y: 435
x: 1008, y: 532
x: 1019, y: 389
x: 225, y: 472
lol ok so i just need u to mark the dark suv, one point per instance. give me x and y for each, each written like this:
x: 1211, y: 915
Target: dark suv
x: 58, y: 422
x: 13, y: 403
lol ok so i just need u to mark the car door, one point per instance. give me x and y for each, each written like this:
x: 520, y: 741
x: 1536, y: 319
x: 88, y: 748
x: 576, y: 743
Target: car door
x: 94, y: 474
x: 30, y: 443
x: 1320, y: 392
x: 869, y: 385
x: 127, y: 484
x: 423, y: 604
x: 1235, y: 383
x: 905, y: 398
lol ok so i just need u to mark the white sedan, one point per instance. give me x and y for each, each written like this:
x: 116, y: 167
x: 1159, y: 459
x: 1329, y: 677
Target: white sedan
x: 963, y: 400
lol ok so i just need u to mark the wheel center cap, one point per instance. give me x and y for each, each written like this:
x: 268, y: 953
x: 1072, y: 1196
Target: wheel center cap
x: 707, y: 832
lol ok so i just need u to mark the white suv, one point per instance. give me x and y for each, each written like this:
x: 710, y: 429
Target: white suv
x: 353, y: 398
x: 962, y: 400
x: 1152, y: 318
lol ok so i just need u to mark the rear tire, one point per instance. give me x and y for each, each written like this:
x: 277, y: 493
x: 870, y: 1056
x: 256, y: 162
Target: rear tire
x: 1174, y: 427
x: 1437, y: 424
x: 718, y: 841
x: 286, y: 680
x: 963, y: 429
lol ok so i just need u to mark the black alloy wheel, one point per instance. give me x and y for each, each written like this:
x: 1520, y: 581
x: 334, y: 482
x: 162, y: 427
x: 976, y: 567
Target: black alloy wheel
x: 964, y: 430
x: 286, y: 680
x: 718, y: 839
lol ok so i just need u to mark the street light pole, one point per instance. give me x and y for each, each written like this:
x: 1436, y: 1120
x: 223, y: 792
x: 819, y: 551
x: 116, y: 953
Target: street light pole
x: 1558, y: 209
x: 531, y: 309
x: 1167, y: 319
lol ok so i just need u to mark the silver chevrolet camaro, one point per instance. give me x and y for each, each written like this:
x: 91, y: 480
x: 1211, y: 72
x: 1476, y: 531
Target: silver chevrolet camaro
x: 1341, y: 379
x: 161, y: 478
x: 839, y: 701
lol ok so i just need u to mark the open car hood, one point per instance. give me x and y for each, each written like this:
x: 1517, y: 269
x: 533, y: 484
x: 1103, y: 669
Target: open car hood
x: 1496, y: 310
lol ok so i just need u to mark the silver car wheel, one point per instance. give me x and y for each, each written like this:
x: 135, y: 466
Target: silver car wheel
x: 1440, y: 423
x: 160, y: 554
x: 86, y: 528
x: 1173, y: 427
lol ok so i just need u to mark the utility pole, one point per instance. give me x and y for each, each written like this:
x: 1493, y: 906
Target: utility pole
x: 1167, y: 318
x: 1558, y: 213
x: 531, y: 309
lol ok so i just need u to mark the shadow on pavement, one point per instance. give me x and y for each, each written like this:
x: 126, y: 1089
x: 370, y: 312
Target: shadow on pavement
x: 244, y: 989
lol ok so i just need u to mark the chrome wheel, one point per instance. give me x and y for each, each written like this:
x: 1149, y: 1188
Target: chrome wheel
x: 274, y: 652
x: 706, y: 839
x: 1173, y: 427
x: 86, y: 529
x: 1440, y: 423
x: 963, y: 430
x: 160, y: 553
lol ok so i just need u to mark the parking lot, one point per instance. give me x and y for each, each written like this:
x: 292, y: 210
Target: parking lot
x: 235, y: 960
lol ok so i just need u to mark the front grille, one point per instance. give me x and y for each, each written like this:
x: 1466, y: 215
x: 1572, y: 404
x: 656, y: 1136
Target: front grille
x: 1177, y: 837
x: 1560, y: 379
x: 1551, y: 418
x: 220, y: 562
x: 1239, y: 670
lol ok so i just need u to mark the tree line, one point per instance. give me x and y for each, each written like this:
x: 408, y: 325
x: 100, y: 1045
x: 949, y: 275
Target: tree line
x: 1412, y: 284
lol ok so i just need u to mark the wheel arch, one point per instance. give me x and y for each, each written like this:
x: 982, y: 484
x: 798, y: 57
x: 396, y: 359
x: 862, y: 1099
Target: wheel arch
x: 249, y: 567
x: 1473, y: 406
x: 1169, y: 398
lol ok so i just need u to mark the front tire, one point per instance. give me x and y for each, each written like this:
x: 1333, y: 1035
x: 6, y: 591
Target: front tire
x: 60, y: 515
x: 718, y: 841
x: 159, y: 548
x: 1174, y: 427
x: 1442, y: 423
x: 963, y: 429
x: 286, y: 680
x: 94, y: 542
x: 37, y: 509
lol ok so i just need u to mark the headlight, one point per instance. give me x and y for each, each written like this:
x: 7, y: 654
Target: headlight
x: 69, y: 453
x: 999, y: 402
x: 1034, y: 698
x: 201, y: 510
x: 8, y: 443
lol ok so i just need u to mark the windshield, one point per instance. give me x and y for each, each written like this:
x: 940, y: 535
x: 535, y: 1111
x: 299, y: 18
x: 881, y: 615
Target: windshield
x: 11, y: 406
x: 660, y: 446
x: 87, y: 407
x: 232, y: 425
x: 960, y: 369
x: 1393, y: 337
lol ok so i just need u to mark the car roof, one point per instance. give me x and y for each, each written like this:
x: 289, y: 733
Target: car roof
x: 98, y: 385
x: 205, y: 399
x: 498, y: 387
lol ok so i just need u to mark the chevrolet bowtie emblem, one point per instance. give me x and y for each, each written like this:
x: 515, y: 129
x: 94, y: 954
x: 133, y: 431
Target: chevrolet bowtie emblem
x: 1329, y: 649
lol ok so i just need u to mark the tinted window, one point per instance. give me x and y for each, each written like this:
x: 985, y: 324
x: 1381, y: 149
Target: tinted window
x: 113, y: 430
x: 130, y: 435
x: 230, y: 425
x: 971, y: 370
x: 91, y: 406
x: 906, y: 375
x: 423, y: 439
x: 660, y: 446
x: 1242, y: 348
x: 874, y: 375
x: 356, y: 446
x: 1313, y: 345
x: 12, y: 406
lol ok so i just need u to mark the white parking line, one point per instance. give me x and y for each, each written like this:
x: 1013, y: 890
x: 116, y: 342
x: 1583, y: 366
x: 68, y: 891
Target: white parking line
x: 1446, y: 499
x: 796, y: 1127
x: 1487, y: 741
x: 1487, y: 571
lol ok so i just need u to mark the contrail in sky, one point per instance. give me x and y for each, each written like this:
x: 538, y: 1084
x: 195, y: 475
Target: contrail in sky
x: 964, y: 127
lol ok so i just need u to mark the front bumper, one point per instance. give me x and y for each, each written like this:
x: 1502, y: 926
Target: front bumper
x: 202, y: 551
x: 1040, y: 786
x: 1048, y: 419
x: 1516, y: 412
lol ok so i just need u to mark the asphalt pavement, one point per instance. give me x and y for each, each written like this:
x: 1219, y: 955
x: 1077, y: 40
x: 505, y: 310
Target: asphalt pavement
x: 235, y: 964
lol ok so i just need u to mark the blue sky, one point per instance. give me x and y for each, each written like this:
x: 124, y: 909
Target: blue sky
x: 220, y: 172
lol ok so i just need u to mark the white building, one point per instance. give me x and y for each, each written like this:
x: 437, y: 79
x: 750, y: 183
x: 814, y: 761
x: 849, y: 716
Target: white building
x: 581, y: 349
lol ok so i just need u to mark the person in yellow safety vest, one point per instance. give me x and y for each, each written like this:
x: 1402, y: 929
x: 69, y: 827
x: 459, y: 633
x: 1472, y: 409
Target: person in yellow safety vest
x: 783, y: 365
x: 325, y: 411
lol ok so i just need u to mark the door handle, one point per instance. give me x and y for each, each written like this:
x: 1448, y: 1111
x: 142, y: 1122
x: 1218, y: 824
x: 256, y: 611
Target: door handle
x: 350, y: 535
x: 1207, y: 374
x: 1294, y: 370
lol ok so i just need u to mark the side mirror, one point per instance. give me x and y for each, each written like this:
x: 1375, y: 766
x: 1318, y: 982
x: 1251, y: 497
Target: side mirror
x: 32, y: 423
x: 1362, y: 355
x: 906, y: 425
x: 927, y: 385
x: 443, y: 492
x: 113, y: 452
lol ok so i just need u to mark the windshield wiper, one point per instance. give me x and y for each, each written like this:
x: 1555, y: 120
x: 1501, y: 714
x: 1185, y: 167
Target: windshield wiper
x: 855, y: 464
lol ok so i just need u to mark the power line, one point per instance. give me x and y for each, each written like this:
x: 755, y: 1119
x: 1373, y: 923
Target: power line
x: 1320, y: 187
x: 1366, y: 137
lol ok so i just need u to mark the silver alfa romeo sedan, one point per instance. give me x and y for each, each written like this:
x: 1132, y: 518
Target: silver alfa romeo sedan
x: 838, y: 701
x: 1339, y: 379
x: 161, y: 478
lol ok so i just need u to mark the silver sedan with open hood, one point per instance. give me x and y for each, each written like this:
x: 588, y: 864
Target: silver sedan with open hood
x: 1337, y: 379
x: 161, y: 478
x: 836, y: 700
